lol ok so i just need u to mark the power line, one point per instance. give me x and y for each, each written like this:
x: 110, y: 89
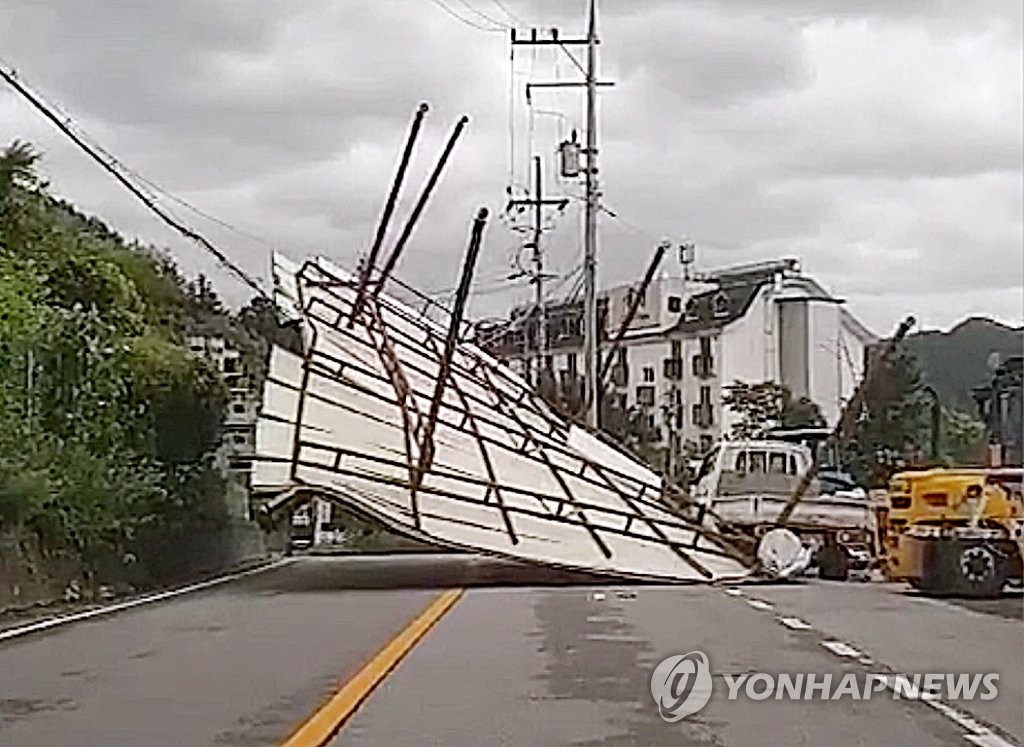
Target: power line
x: 447, y: 9
x: 479, y: 13
x: 512, y: 16
x: 12, y: 79
x: 154, y: 188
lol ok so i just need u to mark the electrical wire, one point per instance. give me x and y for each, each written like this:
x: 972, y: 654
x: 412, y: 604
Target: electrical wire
x: 447, y: 9
x: 512, y: 16
x: 152, y: 189
x: 66, y: 126
x: 480, y: 14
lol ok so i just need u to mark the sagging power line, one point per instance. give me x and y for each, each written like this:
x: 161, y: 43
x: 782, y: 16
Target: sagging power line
x: 63, y: 124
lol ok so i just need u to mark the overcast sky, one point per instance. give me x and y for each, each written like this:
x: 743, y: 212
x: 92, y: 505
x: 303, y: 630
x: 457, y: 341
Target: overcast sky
x: 882, y: 146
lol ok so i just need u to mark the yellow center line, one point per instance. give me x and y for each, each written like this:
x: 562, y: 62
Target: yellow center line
x: 319, y: 728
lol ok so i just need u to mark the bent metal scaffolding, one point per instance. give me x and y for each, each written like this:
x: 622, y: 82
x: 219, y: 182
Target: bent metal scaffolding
x: 400, y: 417
x: 397, y: 419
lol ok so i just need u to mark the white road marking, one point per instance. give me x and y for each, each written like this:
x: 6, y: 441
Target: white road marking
x: 598, y: 596
x: 795, y: 623
x: 977, y: 733
x: 842, y: 649
x: 53, y: 622
x: 987, y: 739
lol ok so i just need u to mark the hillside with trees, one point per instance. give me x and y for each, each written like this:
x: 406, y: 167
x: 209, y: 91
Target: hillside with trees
x: 107, y: 422
x: 954, y: 362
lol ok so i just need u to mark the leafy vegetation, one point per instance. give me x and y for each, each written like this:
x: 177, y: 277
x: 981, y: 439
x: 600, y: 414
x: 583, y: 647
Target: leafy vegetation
x: 107, y: 421
x: 903, y: 424
x: 762, y: 406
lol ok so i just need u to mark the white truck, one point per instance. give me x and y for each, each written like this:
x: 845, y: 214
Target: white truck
x: 747, y: 484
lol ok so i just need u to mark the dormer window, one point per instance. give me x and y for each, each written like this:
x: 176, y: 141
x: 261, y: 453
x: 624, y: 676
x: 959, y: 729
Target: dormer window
x: 720, y: 305
x: 691, y: 310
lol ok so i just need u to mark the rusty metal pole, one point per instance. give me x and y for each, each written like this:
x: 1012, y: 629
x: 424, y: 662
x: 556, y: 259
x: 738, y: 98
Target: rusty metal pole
x: 389, y: 208
x: 451, y: 340
x: 392, y: 260
x: 634, y: 306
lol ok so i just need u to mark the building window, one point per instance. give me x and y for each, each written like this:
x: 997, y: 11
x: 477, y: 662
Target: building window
x: 648, y: 373
x: 645, y: 396
x: 691, y: 314
x: 720, y: 305
x: 705, y: 347
x: 705, y: 443
x: 231, y: 365
x: 239, y: 439
x: 676, y: 349
x: 570, y: 363
x: 675, y: 304
x: 620, y: 371
x: 238, y: 408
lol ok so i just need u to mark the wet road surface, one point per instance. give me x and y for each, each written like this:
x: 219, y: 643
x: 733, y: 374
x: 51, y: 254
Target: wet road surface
x: 539, y: 659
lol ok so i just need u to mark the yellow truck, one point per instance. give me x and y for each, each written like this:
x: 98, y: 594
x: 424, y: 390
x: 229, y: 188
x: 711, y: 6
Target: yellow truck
x: 953, y: 532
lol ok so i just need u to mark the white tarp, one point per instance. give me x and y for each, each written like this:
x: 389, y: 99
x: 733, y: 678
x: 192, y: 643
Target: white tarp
x: 348, y: 419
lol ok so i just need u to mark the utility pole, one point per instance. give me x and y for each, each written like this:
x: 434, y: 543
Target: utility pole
x: 538, y: 203
x: 538, y: 260
x: 591, y: 333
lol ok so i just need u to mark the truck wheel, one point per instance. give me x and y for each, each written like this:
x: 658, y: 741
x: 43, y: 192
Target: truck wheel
x: 961, y: 568
x: 833, y: 565
x: 981, y: 572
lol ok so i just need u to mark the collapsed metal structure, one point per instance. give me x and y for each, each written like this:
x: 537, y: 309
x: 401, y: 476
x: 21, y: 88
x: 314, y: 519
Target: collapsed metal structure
x: 400, y: 417
x: 394, y: 417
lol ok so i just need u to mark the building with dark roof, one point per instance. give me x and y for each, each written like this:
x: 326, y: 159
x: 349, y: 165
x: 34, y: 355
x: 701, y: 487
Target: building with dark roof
x: 693, y: 336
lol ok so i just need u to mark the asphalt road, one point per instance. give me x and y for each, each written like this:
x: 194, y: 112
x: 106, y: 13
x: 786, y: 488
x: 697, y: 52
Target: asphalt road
x: 548, y: 660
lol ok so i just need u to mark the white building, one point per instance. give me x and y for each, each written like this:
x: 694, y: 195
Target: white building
x: 691, y: 338
x: 238, y: 436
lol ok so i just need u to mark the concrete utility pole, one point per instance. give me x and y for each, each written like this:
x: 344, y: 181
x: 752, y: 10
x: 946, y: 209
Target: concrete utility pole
x: 591, y: 333
x: 538, y: 203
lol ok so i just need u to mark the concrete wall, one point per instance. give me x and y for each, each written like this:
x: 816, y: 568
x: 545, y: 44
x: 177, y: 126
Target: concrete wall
x: 797, y: 343
x: 825, y: 358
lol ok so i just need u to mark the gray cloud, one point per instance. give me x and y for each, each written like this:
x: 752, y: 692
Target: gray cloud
x: 879, y: 141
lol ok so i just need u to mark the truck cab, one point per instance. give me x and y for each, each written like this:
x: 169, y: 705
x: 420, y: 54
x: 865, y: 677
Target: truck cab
x: 748, y: 483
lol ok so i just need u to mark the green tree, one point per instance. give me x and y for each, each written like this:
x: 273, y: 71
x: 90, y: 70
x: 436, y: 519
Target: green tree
x: 106, y: 419
x: 963, y: 440
x: 893, y: 426
x: 760, y: 407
